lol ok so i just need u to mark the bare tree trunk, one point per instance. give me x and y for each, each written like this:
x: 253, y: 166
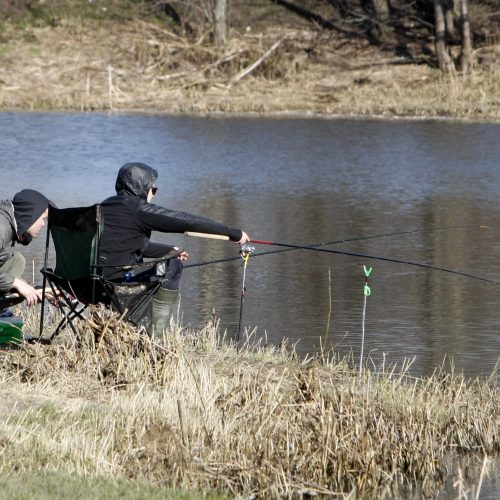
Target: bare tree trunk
x: 381, y: 8
x: 466, y: 56
x: 443, y: 56
x: 449, y: 18
x: 220, y: 22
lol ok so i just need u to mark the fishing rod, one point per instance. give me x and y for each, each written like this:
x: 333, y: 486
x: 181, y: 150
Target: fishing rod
x: 374, y: 257
x: 344, y: 252
x: 398, y: 233
x: 318, y: 245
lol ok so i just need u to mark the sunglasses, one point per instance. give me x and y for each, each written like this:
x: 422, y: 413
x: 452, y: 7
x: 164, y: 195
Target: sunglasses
x: 154, y: 190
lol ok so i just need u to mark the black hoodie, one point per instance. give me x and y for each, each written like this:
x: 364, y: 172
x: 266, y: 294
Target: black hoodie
x: 129, y: 220
x: 16, y: 217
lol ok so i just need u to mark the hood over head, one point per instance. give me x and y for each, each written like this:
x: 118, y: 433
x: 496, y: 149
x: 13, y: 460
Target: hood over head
x: 135, y: 179
x: 28, y: 206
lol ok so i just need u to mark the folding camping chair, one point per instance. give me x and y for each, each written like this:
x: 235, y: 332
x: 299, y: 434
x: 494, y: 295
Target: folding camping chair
x: 77, y: 279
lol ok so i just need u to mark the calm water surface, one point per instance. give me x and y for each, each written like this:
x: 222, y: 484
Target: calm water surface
x: 304, y: 181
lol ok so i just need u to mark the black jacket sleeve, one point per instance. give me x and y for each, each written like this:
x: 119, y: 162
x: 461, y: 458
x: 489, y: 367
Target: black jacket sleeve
x: 157, y: 250
x: 164, y: 220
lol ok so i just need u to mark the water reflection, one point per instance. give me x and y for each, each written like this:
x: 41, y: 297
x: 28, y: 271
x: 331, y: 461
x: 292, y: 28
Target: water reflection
x: 303, y: 181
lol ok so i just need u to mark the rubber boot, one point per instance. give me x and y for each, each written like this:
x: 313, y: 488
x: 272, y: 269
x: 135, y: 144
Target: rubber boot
x: 162, y: 310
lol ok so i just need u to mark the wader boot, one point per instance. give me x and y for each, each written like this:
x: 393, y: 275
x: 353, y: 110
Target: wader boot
x: 162, y: 310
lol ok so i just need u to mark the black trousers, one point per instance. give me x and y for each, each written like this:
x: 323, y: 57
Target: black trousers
x: 171, y: 269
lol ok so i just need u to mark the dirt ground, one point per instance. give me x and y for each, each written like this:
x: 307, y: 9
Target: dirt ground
x: 142, y: 66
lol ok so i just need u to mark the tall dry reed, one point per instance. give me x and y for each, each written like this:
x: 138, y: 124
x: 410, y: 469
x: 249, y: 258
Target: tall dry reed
x: 194, y: 413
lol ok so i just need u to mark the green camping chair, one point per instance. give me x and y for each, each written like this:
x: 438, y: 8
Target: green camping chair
x: 77, y: 280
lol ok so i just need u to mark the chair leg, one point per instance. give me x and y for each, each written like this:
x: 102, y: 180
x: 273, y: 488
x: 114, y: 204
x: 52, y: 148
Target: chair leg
x: 71, y: 310
x: 68, y: 320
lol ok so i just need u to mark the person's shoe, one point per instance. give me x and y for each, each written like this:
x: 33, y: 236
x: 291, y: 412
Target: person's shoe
x: 32, y: 339
x: 6, y: 313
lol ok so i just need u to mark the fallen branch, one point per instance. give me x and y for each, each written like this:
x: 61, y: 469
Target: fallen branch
x: 225, y: 59
x: 161, y: 30
x: 171, y: 76
x: 256, y: 64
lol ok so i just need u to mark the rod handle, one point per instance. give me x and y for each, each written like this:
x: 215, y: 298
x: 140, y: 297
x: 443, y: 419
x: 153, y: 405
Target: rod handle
x: 206, y: 235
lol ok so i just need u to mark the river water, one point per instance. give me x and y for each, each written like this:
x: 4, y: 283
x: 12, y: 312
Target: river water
x: 304, y: 181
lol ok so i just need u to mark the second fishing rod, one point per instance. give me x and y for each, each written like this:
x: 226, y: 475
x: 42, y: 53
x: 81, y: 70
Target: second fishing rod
x: 322, y: 244
x: 319, y: 248
x: 374, y: 257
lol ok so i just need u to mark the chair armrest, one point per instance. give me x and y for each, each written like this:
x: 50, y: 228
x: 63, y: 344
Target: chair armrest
x: 10, y: 299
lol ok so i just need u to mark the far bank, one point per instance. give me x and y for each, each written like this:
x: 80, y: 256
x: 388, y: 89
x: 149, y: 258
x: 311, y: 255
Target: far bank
x: 138, y: 66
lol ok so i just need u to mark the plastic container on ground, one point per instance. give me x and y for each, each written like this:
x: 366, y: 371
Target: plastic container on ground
x: 11, y: 330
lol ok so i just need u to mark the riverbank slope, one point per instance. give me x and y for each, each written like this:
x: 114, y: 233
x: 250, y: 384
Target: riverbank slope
x: 197, y: 414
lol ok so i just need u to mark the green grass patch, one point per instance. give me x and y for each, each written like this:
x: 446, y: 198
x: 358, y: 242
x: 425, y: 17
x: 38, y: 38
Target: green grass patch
x: 49, y: 485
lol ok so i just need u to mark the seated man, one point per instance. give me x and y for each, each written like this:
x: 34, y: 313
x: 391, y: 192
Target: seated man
x: 20, y: 221
x: 129, y: 219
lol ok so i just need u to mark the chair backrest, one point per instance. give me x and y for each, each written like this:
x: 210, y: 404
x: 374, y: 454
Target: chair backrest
x: 76, y: 235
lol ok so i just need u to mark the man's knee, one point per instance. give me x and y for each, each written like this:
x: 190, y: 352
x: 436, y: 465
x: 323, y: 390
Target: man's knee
x: 173, y: 271
x: 19, y: 264
x: 15, y: 265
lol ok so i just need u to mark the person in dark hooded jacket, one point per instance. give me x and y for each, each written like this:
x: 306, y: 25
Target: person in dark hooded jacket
x: 130, y: 218
x: 20, y: 221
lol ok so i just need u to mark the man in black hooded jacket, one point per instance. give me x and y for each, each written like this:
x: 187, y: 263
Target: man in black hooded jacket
x: 129, y: 219
x: 20, y: 221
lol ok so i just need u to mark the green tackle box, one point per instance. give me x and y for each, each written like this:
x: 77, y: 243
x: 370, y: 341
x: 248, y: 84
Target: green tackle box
x: 11, y: 330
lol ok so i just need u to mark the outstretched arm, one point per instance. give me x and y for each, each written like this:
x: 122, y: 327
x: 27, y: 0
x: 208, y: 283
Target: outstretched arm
x: 164, y: 220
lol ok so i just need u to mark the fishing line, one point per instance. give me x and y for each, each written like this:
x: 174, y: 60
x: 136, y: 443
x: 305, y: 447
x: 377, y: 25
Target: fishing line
x: 245, y: 253
x: 366, y: 292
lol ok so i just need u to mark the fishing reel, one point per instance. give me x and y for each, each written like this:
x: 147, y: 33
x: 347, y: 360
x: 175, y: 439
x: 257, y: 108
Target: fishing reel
x: 246, y: 250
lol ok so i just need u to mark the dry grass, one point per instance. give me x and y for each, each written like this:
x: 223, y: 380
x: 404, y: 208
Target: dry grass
x: 135, y: 65
x: 194, y: 413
